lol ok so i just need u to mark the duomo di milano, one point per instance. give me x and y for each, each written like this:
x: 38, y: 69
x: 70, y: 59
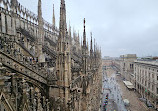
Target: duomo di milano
x: 43, y: 68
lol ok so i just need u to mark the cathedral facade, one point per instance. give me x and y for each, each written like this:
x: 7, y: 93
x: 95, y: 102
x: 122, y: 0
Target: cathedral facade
x: 45, y: 68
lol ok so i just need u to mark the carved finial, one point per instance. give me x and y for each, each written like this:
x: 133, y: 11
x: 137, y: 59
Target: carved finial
x: 69, y: 29
x: 63, y: 26
x: 84, y: 33
x: 39, y: 8
x: 91, y: 50
x: 53, y: 16
x: 94, y: 45
x: 87, y: 44
x: 13, y: 3
x: 78, y: 36
x: 81, y: 41
x: 40, y: 23
x: 74, y: 33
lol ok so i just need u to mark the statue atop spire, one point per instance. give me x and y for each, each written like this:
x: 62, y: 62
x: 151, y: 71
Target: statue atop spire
x: 40, y: 37
x: 81, y: 41
x: 53, y: 17
x: 87, y: 44
x: 39, y: 10
x: 40, y: 23
x: 74, y: 34
x: 91, y: 47
x: 69, y: 30
x: 78, y: 38
x: 91, y: 53
x: 94, y: 46
x: 84, y: 33
x: 70, y: 36
x: 84, y: 49
x: 13, y: 3
x: 62, y: 25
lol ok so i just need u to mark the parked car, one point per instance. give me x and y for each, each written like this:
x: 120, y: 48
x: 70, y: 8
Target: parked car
x: 142, y: 99
x: 126, y: 102
x: 148, y: 103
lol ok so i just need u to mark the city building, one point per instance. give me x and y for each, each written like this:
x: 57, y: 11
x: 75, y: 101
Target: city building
x: 43, y: 68
x: 126, y: 66
x: 146, y: 79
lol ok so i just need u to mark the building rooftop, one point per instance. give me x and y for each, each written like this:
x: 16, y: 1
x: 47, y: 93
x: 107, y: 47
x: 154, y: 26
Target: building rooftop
x: 149, y: 62
x: 128, y: 56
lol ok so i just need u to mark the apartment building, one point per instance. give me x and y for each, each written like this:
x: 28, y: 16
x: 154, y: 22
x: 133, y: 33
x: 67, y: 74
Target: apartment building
x: 146, y: 80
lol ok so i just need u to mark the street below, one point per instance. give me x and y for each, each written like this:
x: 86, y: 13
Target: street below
x: 114, y: 87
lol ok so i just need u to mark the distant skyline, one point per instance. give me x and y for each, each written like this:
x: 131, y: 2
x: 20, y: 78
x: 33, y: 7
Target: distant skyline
x: 119, y: 26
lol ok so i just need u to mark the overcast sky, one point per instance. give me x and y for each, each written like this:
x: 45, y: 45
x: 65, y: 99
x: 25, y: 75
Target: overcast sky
x: 119, y: 26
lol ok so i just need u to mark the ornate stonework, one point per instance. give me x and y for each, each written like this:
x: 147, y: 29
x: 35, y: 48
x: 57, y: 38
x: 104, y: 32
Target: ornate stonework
x: 43, y: 68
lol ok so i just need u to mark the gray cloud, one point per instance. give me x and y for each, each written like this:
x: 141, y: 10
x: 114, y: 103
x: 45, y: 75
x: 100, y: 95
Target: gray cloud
x: 119, y: 26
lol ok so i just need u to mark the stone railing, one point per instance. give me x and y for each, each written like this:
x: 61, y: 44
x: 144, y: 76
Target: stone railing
x: 25, y: 13
x: 29, y: 24
x: 49, y: 51
x: 15, y: 60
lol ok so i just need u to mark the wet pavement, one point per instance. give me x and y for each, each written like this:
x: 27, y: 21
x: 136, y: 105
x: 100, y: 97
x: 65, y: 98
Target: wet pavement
x: 112, y: 89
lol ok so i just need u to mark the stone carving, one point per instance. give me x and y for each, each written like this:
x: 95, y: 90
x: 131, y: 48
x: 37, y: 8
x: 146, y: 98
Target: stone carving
x: 42, y: 67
